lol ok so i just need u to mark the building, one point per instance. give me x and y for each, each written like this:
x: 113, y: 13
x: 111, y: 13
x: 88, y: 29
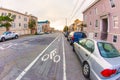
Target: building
x: 76, y: 26
x: 34, y: 30
x: 20, y: 23
x: 103, y: 21
x: 43, y: 26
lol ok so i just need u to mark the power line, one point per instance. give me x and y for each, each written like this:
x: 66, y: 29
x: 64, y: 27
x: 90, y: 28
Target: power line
x: 78, y: 9
x: 75, y: 6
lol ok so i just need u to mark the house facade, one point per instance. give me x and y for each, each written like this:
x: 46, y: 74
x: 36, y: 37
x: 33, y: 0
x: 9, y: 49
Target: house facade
x: 43, y: 26
x: 20, y: 23
x: 103, y: 21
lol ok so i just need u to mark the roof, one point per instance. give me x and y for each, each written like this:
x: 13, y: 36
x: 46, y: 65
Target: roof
x: 43, y: 21
x: 13, y: 11
x: 91, y: 5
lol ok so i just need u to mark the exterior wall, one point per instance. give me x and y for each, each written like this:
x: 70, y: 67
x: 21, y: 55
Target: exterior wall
x: 39, y: 29
x: 102, y: 10
x: 44, y: 25
x: 20, y: 24
x: 34, y: 30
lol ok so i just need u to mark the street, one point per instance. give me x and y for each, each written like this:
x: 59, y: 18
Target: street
x: 40, y: 57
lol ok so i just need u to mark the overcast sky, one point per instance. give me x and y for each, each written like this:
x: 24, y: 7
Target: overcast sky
x: 56, y: 11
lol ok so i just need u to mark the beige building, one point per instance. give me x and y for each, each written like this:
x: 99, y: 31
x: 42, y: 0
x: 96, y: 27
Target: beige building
x: 20, y: 23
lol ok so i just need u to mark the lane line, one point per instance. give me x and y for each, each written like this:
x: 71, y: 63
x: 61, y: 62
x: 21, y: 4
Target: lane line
x: 64, y: 61
x: 34, y: 61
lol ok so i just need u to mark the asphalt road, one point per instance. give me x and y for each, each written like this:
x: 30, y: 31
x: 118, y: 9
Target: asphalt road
x: 56, y: 62
x: 17, y: 54
x: 41, y: 57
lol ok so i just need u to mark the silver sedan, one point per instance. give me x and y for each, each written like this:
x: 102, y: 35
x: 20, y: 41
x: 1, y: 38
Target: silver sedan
x: 100, y: 59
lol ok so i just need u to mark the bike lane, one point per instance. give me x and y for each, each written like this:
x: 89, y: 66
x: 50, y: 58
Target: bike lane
x: 49, y: 65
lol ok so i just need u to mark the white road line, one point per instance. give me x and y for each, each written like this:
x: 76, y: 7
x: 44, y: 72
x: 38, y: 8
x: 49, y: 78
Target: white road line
x: 64, y: 61
x: 31, y: 64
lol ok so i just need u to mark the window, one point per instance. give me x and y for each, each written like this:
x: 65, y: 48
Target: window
x: 19, y: 17
x: 112, y: 3
x: 115, y: 38
x: 115, y: 21
x: 96, y: 34
x: 96, y: 23
x: 89, y: 45
x: 19, y: 24
x: 25, y: 25
x: 25, y: 19
x: 13, y: 25
x: 82, y: 42
x: 85, y: 17
x: 2, y: 14
x: 90, y: 23
x: 107, y: 50
x: 96, y: 11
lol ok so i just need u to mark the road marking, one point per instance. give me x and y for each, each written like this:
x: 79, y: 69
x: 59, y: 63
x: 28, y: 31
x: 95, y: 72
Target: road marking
x: 7, y: 45
x: 64, y: 61
x: 45, y: 57
x: 2, y: 48
x: 53, y: 56
x: 31, y: 64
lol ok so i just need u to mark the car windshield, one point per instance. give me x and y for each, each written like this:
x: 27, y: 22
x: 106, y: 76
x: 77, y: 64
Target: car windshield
x: 5, y: 33
x: 107, y: 50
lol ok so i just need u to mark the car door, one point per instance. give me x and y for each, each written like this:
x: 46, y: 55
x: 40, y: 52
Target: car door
x: 86, y: 49
x: 9, y: 35
x: 77, y: 47
x: 77, y: 35
x: 6, y: 35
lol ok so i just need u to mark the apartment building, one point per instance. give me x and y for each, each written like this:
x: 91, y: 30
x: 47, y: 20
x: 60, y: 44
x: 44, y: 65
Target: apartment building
x: 20, y: 23
x: 103, y: 21
x: 43, y: 26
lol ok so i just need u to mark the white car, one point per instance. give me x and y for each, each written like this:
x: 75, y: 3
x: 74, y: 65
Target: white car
x: 8, y: 35
x: 100, y: 59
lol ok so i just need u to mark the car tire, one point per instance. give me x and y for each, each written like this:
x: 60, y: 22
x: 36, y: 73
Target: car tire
x: 16, y: 37
x: 86, y: 70
x: 2, y: 39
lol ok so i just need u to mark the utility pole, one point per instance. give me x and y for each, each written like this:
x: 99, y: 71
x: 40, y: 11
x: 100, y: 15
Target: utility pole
x: 66, y: 21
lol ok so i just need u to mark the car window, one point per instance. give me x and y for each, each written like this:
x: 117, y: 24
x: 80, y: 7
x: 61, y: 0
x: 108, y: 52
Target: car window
x: 71, y: 33
x: 84, y: 35
x: 5, y: 33
x: 89, y: 45
x: 82, y: 42
x: 77, y: 34
x: 107, y: 50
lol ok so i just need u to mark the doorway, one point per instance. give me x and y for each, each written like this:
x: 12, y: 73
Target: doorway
x: 104, y: 33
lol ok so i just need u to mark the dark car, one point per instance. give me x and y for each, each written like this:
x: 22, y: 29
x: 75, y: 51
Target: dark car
x: 76, y: 36
x: 66, y: 34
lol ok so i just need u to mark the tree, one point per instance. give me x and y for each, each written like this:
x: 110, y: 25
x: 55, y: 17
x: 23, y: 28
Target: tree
x: 6, y: 21
x: 65, y: 28
x: 31, y: 24
x: 82, y: 26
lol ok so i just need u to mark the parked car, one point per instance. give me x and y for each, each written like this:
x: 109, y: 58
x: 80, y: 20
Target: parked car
x: 76, y: 36
x: 8, y: 35
x: 100, y: 59
x: 66, y: 34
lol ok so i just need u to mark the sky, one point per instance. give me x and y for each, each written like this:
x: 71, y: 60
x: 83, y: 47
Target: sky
x: 58, y: 12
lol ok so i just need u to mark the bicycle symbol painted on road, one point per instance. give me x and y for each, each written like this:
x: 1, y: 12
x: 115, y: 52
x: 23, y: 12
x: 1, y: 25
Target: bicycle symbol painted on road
x: 53, y: 56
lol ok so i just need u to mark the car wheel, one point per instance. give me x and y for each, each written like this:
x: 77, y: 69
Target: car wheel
x: 3, y: 39
x: 16, y: 37
x: 86, y: 70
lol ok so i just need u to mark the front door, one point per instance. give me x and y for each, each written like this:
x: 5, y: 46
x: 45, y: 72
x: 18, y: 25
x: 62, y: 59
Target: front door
x: 104, y: 33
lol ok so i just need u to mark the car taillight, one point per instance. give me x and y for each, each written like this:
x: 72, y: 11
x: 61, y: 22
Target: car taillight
x: 108, y: 72
x: 72, y: 37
